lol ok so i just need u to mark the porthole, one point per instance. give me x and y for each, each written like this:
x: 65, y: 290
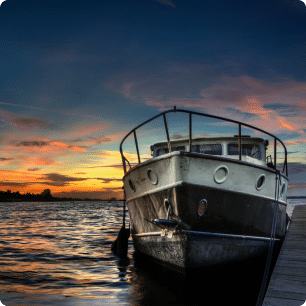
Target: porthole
x: 152, y: 176
x: 132, y: 185
x: 260, y: 182
x: 202, y: 207
x: 221, y: 174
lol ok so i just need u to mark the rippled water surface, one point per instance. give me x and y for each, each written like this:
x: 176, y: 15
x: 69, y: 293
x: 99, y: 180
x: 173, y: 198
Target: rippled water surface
x: 59, y: 254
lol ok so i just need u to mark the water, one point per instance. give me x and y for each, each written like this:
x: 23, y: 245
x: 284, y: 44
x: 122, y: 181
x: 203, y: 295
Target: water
x: 59, y: 254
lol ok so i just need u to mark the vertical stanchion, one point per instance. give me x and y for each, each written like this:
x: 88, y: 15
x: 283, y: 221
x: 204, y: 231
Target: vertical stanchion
x: 136, y: 144
x: 239, y: 141
x: 167, y: 133
x: 275, y: 153
x: 190, y: 132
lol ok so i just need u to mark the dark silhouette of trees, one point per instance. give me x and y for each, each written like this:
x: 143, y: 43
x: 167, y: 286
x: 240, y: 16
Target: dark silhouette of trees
x: 45, y: 196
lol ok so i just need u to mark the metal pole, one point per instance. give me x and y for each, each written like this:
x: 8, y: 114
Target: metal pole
x: 167, y: 133
x: 124, y: 164
x: 123, y: 221
x: 136, y: 144
x: 239, y: 142
x: 190, y: 132
x: 275, y: 153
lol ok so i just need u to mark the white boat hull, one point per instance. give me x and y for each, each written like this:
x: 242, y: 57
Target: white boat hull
x: 236, y: 225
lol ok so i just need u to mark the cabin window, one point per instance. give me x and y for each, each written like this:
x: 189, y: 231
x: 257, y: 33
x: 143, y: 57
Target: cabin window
x: 212, y: 149
x: 179, y: 148
x: 163, y: 151
x: 252, y: 150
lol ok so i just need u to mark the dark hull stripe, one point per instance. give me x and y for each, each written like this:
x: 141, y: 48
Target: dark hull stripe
x: 181, y: 183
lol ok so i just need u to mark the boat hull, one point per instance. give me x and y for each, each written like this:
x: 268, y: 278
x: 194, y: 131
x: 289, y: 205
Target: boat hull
x: 235, y: 225
x: 190, y: 251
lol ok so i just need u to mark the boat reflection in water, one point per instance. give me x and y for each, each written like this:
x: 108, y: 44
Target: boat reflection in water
x: 205, y: 201
x: 154, y: 284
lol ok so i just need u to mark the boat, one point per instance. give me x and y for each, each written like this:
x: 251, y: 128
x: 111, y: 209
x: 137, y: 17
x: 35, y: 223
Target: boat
x: 206, y: 200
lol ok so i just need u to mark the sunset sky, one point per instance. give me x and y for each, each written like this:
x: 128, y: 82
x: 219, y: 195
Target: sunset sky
x: 76, y: 76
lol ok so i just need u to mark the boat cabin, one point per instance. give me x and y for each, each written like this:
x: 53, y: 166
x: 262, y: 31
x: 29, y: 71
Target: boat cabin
x: 253, y: 149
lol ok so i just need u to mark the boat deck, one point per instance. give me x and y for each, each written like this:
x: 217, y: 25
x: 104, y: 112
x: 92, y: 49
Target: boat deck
x: 288, y: 282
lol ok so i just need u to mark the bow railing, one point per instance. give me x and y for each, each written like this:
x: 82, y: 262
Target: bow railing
x: 190, y: 131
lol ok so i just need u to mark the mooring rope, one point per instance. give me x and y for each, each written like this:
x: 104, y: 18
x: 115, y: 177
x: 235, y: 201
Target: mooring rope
x: 271, y: 244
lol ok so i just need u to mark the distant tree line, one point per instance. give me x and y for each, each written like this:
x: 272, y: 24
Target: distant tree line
x: 45, y: 196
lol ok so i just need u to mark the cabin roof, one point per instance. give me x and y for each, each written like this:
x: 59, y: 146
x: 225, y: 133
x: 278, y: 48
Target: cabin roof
x: 244, y: 139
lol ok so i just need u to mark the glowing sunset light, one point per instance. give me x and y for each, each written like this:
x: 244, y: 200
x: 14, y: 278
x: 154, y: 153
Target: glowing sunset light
x: 71, y: 90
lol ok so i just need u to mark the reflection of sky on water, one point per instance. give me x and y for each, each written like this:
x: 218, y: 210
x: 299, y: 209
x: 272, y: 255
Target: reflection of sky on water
x: 61, y: 249
x: 59, y: 254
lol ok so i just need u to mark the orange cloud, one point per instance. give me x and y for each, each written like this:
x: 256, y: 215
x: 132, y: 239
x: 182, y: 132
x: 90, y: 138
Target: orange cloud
x: 286, y: 125
x: 46, y: 145
x: 22, y: 122
x: 84, y: 129
x: 279, y: 105
x: 34, y: 161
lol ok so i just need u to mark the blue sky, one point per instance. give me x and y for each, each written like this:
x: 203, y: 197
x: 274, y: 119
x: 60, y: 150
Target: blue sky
x: 77, y: 75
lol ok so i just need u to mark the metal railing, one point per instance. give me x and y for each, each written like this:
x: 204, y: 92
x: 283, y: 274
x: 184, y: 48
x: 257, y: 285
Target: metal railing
x: 240, y: 124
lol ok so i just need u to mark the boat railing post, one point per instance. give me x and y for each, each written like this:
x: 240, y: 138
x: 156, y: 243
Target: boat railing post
x: 167, y: 133
x: 136, y: 144
x: 239, y: 142
x: 275, y: 152
x: 190, y: 132
x: 124, y: 164
x: 123, y: 159
x: 285, y: 163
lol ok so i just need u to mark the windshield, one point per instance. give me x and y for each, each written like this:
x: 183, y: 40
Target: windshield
x: 162, y: 151
x: 212, y: 149
x: 252, y: 150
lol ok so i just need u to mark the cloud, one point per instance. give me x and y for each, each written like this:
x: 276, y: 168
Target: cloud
x: 33, y: 169
x: 167, y: 2
x: 297, y: 173
x: 13, y: 184
x: 295, y: 142
x: 56, y: 145
x: 117, y: 166
x: 89, y: 141
x: 278, y: 103
x: 45, y: 145
x: 56, y: 179
x: 242, y: 97
x: 52, y: 110
x: 108, y: 180
x: 21, y: 121
x: 297, y: 168
x: 25, y: 122
x: 297, y: 189
x: 35, y: 161
x: 101, y: 139
x: 79, y: 132
x: 5, y: 159
x: 34, y: 143
x: 175, y: 81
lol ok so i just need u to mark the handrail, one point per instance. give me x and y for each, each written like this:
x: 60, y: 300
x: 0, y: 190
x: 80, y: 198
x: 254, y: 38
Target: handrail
x: 285, y: 168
